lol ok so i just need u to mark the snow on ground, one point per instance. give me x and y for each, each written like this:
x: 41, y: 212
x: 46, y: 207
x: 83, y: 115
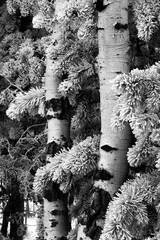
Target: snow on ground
x: 31, y: 229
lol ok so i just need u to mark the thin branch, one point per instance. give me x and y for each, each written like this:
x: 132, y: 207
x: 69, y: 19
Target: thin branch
x: 9, y: 149
x: 11, y: 84
x: 35, y: 125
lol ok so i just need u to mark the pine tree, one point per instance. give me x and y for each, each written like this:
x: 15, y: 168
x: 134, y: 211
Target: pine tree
x: 22, y: 150
x: 83, y: 172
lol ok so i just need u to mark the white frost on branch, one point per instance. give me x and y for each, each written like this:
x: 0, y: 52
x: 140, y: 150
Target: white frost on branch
x: 31, y: 102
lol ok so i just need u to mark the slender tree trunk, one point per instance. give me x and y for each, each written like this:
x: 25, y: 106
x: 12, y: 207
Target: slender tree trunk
x: 113, y: 59
x: 14, y: 212
x: 17, y: 213
x: 4, y: 228
x: 56, y: 222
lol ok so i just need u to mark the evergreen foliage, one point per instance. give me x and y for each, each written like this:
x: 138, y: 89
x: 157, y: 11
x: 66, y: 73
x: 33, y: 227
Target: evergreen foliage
x: 25, y: 7
x: 139, y: 105
x: 134, y: 211
x: 27, y: 102
x: 21, y: 154
x: 8, y: 22
x: 147, y: 18
x: 78, y: 49
x: 127, y: 216
x: 22, y: 68
x: 69, y: 166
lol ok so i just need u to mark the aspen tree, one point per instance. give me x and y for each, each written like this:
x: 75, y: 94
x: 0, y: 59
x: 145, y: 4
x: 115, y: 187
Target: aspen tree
x: 113, y: 59
x: 55, y: 205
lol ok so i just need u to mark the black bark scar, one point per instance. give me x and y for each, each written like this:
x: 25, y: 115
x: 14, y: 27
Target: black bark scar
x: 100, y: 6
x: 57, y: 212
x: 53, y: 222
x: 60, y: 106
x: 120, y: 26
x: 102, y: 174
x: 108, y: 148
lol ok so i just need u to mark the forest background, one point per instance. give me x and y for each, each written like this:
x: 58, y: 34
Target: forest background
x: 67, y: 115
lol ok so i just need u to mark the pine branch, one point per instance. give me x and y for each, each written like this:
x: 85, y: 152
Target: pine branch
x: 77, y: 76
x: 138, y: 104
x: 147, y: 18
x: 11, y: 84
x: 25, y: 7
x: 70, y: 165
x: 127, y: 217
x: 28, y: 101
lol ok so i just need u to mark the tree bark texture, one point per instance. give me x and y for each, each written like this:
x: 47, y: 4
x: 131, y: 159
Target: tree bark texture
x: 113, y: 59
x: 56, y: 224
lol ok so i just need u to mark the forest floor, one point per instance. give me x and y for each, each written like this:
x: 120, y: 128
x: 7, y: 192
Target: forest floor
x: 31, y: 229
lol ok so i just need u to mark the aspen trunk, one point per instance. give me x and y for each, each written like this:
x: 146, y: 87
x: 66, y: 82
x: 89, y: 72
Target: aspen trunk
x: 113, y: 59
x: 56, y: 222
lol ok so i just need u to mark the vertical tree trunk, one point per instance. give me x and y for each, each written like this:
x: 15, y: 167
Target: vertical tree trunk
x: 113, y: 59
x: 4, y: 228
x: 14, y: 212
x: 56, y: 222
x: 17, y: 213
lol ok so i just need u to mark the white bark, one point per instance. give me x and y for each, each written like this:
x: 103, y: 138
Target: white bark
x: 51, y: 86
x: 81, y: 234
x: 60, y: 229
x: 56, y: 127
x: 55, y: 225
x: 113, y: 59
